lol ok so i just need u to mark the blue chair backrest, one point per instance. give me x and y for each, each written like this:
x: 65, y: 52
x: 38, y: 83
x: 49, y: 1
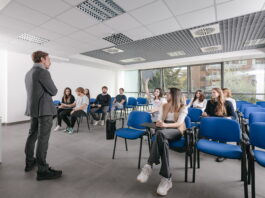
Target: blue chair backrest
x: 187, y: 101
x: 92, y: 100
x: 132, y: 101
x: 256, y: 117
x: 222, y: 129
x: 240, y: 102
x: 57, y: 102
x: 88, y: 108
x: 136, y: 118
x: 141, y: 100
x: 261, y: 103
x: 243, y: 106
x: 195, y: 114
x: 249, y: 110
x: 188, y: 122
x: 257, y: 134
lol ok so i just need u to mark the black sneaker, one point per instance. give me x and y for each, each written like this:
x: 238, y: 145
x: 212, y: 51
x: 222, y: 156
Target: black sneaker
x: 220, y: 159
x: 30, y: 166
x: 49, y: 174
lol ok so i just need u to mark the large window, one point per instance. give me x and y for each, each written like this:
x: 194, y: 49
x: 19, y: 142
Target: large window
x: 245, y: 76
x: 205, y: 77
x: 175, y: 77
x: 150, y: 78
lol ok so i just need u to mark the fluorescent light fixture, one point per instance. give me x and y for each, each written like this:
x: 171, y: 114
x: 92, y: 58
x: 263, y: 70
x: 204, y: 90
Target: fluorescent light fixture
x: 254, y: 42
x: 59, y: 58
x: 176, y: 53
x: 205, y: 30
x: 100, y: 9
x: 131, y: 60
x: 33, y: 39
x: 3, y: 4
x: 113, y: 50
x: 211, y: 48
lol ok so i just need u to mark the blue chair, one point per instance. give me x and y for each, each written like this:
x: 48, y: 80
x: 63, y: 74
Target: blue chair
x: 134, y: 131
x: 223, y: 130
x: 195, y: 116
x: 256, y: 137
x: 261, y: 103
x: 131, y: 104
x: 187, y: 101
x: 57, y: 103
x: 80, y: 119
x: 186, y: 144
x: 256, y: 117
x: 92, y: 100
x: 142, y: 102
x: 240, y: 102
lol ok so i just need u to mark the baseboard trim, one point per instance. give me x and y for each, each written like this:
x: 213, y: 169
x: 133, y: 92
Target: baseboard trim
x: 13, y: 123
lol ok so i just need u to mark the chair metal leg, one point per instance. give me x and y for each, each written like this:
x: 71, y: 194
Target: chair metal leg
x: 191, y: 164
x: 149, y: 144
x: 253, y: 190
x: 140, y: 153
x: 194, y: 165
x: 186, y: 167
x: 126, y: 146
x: 78, y: 123
x: 114, y: 149
x: 198, y: 159
x: 87, y: 120
x: 245, y: 177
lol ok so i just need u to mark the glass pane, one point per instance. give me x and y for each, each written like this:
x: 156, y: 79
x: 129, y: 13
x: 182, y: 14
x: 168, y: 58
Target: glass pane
x: 131, y: 81
x: 245, y: 76
x: 130, y: 94
x: 205, y: 77
x: 249, y: 98
x: 152, y: 77
x: 175, y: 77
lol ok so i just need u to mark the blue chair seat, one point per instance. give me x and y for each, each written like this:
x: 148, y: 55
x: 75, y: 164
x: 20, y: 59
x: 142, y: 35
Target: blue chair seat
x: 128, y: 133
x: 177, y: 143
x: 219, y: 149
x: 194, y: 124
x: 260, y: 157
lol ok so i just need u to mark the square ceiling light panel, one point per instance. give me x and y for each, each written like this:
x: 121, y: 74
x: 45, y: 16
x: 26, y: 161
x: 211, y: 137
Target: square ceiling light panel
x: 33, y: 39
x: 118, y: 39
x: 205, y: 30
x: 133, y: 60
x: 100, y: 9
x: 113, y: 50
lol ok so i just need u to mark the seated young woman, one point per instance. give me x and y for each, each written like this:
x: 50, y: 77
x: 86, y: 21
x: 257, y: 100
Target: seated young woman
x: 198, y: 101
x: 171, y: 122
x: 79, y: 109
x: 156, y: 100
x: 67, y: 99
x: 228, y: 96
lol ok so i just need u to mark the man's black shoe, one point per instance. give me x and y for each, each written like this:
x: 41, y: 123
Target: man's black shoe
x: 49, y: 174
x: 30, y: 166
x: 220, y: 159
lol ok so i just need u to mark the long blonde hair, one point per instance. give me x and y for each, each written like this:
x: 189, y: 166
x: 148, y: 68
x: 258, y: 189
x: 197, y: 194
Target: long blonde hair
x: 220, y: 108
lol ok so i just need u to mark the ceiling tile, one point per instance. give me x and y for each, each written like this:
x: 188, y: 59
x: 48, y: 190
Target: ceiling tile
x: 25, y: 14
x: 49, y: 7
x: 138, y: 33
x: 179, y: 7
x: 165, y: 26
x: 238, y: 8
x: 82, y: 36
x: 122, y: 22
x: 222, y: 1
x: 40, y: 32
x: 58, y: 27
x: 197, y: 18
x: 73, y: 2
x: 77, y: 19
x: 130, y: 5
x: 100, y: 30
x: 151, y: 13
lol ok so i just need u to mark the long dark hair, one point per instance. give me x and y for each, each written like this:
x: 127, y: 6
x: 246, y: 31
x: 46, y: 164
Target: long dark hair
x: 160, y: 93
x: 88, y: 93
x: 201, y: 98
x: 65, y: 97
x: 220, y: 108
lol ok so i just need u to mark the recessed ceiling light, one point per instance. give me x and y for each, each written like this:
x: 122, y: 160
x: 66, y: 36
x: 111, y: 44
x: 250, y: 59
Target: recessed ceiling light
x: 255, y: 42
x: 205, y: 30
x: 131, y: 60
x: 3, y: 3
x: 113, y: 50
x: 212, y: 48
x: 100, y: 9
x: 118, y: 39
x: 33, y: 39
x: 176, y: 53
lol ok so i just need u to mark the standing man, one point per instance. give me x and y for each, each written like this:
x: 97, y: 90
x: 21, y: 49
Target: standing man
x: 40, y: 89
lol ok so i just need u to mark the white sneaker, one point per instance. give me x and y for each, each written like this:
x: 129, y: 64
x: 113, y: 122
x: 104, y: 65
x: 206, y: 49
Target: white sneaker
x: 144, y: 174
x: 57, y: 128
x: 164, y: 186
x: 95, y: 123
x: 101, y: 122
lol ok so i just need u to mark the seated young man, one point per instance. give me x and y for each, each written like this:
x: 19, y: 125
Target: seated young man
x: 102, y: 102
x: 119, y: 100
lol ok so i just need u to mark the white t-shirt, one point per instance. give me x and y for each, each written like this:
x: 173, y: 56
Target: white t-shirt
x: 198, y: 104
x: 170, y: 116
x: 80, y: 101
x: 156, y: 105
x: 233, y: 102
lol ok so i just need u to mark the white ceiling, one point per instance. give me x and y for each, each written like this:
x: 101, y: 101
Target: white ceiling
x: 71, y: 32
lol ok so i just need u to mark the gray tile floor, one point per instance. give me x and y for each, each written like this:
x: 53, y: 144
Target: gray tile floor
x: 89, y: 171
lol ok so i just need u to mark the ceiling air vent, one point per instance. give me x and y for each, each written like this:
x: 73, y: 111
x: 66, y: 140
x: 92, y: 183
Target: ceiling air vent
x: 205, y: 30
x: 100, y: 9
x: 255, y: 42
x: 113, y: 50
x: 211, y: 48
x: 33, y: 39
x: 118, y: 39
x: 176, y: 53
x: 132, y: 60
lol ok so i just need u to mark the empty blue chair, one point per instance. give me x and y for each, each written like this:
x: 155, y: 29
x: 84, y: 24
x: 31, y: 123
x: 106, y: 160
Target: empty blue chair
x: 195, y: 116
x: 142, y: 102
x: 256, y: 117
x: 261, y: 103
x: 122, y: 110
x: 134, y: 131
x: 240, y: 102
x: 80, y: 119
x: 224, y: 130
x: 257, y: 139
x: 243, y: 106
x: 131, y: 104
x: 249, y: 110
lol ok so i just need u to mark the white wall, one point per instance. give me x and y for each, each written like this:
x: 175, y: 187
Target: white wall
x: 3, y: 85
x: 64, y: 75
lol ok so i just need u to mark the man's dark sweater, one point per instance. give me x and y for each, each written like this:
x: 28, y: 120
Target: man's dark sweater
x: 103, y: 100
x: 211, y: 109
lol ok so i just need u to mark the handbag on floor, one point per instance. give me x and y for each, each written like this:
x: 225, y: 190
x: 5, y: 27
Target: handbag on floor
x: 110, y: 129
